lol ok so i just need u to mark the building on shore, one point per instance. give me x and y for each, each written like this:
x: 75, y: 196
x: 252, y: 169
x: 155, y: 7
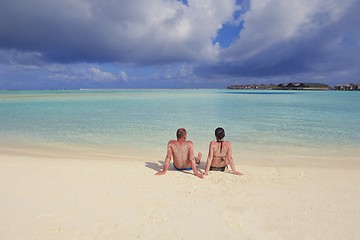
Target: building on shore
x: 284, y: 86
x: 348, y: 87
x: 303, y: 86
x: 299, y: 86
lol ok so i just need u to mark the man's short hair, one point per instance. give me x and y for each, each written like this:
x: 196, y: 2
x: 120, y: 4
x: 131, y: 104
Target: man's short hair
x: 180, y: 133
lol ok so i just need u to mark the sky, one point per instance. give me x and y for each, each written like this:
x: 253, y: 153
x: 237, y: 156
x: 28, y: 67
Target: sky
x: 72, y: 44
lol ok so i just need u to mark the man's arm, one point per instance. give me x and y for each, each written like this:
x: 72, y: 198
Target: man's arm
x: 167, y: 161
x: 192, y: 160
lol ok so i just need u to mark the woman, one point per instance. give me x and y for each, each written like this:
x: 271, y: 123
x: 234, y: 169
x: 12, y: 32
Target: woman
x: 220, y: 154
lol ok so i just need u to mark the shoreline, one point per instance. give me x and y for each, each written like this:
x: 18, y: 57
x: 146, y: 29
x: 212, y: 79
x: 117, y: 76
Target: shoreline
x: 296, y: 157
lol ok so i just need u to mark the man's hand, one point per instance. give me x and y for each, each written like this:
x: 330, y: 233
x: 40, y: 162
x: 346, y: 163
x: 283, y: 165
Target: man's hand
x: 205, y: 173
x: 160, y: 173
x: 199, y: 175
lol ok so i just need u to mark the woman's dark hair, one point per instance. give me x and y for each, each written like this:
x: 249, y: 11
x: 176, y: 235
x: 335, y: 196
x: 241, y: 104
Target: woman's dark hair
x: 220, y: 133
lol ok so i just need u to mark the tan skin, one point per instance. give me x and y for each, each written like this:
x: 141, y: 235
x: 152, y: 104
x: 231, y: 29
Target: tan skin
x: 217, y: 158
x: 182, y: 152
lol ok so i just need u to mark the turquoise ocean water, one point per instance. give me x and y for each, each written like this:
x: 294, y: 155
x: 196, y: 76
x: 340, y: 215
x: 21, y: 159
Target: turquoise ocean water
x: 302, y: 124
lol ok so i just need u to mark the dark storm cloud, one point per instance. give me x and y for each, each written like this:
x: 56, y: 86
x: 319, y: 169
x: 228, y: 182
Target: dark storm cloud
x: 139, y: 31
x: 171, y: 43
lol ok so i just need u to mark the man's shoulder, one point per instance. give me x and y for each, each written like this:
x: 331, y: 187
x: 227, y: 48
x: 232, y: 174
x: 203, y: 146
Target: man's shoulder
x: 171, y: 142
x: 189, y: 142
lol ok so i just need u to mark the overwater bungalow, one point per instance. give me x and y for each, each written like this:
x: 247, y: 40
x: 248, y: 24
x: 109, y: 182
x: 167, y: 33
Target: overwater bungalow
x: 303, y: 86
x: 348, y: 87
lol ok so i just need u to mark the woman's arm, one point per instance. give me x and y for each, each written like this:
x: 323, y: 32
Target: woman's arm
x: 209, y: 159
x: 231, y: 161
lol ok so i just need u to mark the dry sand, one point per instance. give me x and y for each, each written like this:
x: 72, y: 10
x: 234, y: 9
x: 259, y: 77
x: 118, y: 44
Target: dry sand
x: 44, y: 197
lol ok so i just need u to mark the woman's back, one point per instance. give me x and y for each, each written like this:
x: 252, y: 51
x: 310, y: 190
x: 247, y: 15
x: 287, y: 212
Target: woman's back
x: 220, y: 152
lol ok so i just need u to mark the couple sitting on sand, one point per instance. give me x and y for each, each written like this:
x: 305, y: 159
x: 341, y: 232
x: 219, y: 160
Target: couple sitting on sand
x: 182, y: 151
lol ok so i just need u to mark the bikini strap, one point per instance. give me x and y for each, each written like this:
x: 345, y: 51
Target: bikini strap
x: 221, y: 142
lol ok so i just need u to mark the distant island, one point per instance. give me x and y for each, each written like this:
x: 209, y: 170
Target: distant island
x: 298, y: 86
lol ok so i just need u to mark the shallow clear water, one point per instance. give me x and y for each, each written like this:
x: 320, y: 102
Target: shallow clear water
x: 268, y: 121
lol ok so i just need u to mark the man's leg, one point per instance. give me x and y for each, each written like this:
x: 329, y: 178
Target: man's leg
x: 198, y: 158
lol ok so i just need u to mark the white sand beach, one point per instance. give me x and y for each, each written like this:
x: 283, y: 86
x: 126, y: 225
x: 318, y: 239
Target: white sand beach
x: 44, y: 197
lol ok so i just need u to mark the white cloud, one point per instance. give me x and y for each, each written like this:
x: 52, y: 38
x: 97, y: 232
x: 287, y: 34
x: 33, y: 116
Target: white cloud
x: 270, y: 22
x: 79, y: 73
x: 21, y: 59
x: 97, y: 75
x: 123, y: 76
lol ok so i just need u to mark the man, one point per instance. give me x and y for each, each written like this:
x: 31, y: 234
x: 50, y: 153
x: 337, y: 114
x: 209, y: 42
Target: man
x: 182, y: 152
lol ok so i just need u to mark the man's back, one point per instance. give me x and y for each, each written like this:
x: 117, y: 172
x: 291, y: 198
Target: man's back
x: 181, y: 151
